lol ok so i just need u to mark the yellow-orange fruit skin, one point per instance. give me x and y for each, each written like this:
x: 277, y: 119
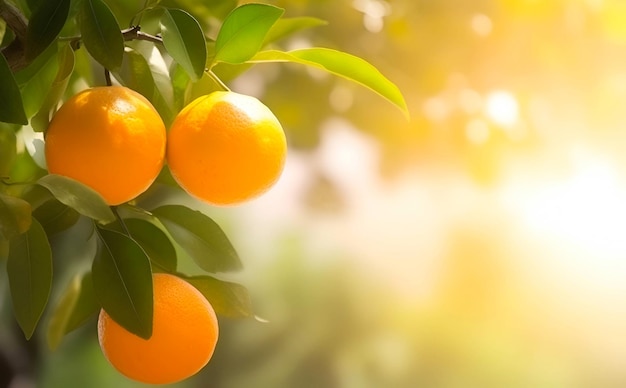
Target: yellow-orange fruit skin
x: 185, y: 333
x: 225, y: 148
x: 110, y: 138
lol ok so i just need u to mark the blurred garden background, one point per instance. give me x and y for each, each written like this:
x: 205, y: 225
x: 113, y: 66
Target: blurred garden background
x: 479, y: 244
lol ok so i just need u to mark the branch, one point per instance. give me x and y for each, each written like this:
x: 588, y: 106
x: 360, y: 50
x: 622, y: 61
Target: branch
x: 134, y: 33
x: 15, y: 53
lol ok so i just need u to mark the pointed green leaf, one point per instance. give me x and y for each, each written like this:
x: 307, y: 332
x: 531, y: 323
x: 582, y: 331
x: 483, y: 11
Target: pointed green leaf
x: 135, y: 74
x: 77, y: 303
x: 29, y: 268
x: 86, y: 306
x: 78, y: 196
x: 66, y: 60
x: 36, y: 79
x: 184, y: 41
x: 101, y: 33
x: 11, y: 106
x: 15, y: 216
x: 45, y: 24
x: 243, y: 32
x: 285, y: 27
x: 180, y: 86
x: 200, y: 237
x: 122, y: 279
x: 55, y: 217
x: 228, y: 299
x: 342, y: 64
x: 154, y: 242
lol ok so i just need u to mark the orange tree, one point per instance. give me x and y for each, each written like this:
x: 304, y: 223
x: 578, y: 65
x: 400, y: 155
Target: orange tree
x: 72, y: 154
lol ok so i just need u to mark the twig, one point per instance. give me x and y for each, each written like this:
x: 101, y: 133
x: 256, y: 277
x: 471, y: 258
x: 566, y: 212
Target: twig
x: 217, y: 80
x: 135, y: 33
x: 120, y: 220
x: 15, y: 53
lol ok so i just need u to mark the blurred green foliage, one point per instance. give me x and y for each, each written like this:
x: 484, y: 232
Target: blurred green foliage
x: 332, y: 325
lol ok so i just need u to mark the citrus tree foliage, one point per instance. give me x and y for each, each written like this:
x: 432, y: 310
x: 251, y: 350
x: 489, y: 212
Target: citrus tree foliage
x: 170, y: 52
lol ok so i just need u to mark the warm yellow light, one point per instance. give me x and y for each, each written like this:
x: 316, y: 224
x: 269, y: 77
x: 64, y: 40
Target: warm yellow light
x: 502, y: 108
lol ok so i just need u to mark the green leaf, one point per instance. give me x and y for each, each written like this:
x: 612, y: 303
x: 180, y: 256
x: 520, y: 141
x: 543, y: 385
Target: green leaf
x: 55, y: 217
x: 8, y: 149
x: 285, y: 27
x: 15, y: 216
x: 243, y: 32
x: 135, y: 74
x: 122, y: 279
x: 86, y: 306
x: 4, y: 249
x: 37, y: 78
x: 77, y: 303
x: 228, y: 299
x: 200, y: 237
x: 29, y: 268
x: 78, y: 196
x: 3, y: 30
x: 180, y: 86
x: 184, y: 41
x: 342, y: 64
x: 154, y: 242
x: 11, y: 106
x: 45, y: 24
x: 101, y: 33
x: 66, y: 61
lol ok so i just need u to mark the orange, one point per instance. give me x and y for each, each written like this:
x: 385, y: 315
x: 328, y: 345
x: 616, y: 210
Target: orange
x: 110, y: 138
x: 184, y: 335
x: 225, y: 148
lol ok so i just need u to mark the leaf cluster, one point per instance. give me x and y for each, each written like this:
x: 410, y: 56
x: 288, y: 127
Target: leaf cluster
x: 49, y: 48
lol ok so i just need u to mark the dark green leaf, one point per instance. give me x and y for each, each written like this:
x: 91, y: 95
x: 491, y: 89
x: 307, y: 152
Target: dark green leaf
x: 285, y: 27
x: 66, y: 61
x: 200, y: 237
x: 45, y: 24
x: 15, y: 216
x: 184, y: 41
x: 78, y: 196
x: 29, y: 268
x: 342, y: 64
x: 243, y: 32
x: 11, y: 106
x: 228, y: 299
x: 154, y: 242
x: 101, y: 33
x: 75, y: 306
x: 122, y: 279
x: 33, y: 4
x: 55, y: 217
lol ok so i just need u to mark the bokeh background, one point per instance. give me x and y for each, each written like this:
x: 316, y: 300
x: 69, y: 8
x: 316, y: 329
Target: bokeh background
x: 480, y: 244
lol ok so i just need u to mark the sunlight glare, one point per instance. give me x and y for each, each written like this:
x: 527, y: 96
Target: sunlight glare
x: 586, y: 211
x: 502, y: 108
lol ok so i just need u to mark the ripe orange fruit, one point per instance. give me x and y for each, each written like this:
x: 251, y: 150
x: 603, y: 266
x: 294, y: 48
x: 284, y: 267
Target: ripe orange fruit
x: 225, y: 148
x: 184, y: 335
x: 110, y: 138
